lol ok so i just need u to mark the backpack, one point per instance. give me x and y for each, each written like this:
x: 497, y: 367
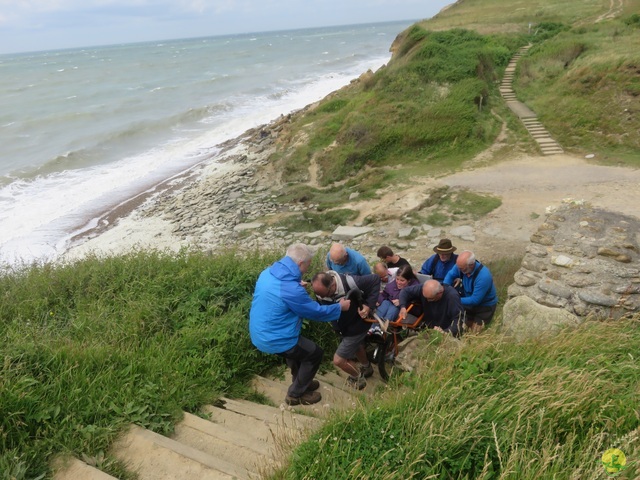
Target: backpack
x: 354, y: 293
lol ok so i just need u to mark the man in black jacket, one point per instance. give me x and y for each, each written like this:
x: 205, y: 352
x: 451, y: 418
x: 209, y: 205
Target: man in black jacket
x: 441, y: 305
x: 363, y: 291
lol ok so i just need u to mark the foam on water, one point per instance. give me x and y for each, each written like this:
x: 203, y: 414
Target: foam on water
x: 40, y: 214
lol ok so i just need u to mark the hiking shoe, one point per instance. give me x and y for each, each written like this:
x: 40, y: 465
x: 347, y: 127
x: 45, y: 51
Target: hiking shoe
x: 307, y: 398
x: 367, y: 371
x: 313, y: 386
x: 357, y: 383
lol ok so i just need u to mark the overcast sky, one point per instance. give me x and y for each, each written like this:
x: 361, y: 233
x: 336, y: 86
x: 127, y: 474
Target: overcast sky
x: 31, y: 25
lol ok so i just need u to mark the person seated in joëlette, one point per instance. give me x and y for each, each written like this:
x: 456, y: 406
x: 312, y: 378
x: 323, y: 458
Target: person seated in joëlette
x: 392, y: 260
x: 389, y: 299
x: 439, y: 264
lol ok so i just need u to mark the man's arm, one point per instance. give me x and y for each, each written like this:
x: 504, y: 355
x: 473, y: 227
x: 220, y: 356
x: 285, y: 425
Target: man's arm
x: 410, y: 294
x: 426, y: 266
x: 370, y: 285
x: 300, y: 303
x: 451, y: 275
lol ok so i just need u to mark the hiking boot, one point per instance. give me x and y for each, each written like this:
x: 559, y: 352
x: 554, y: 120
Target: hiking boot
x: 307, y: 398
x: 313, y: 386
x: 367, y: 371
x: 357, y: 383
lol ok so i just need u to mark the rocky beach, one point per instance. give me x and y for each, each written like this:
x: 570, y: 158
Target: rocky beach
x: 233, y: 200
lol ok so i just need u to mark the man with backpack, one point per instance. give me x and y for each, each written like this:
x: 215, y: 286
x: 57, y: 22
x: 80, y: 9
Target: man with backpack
x: 478, y: 292
x: 330, y: 287
x: 439, y: 264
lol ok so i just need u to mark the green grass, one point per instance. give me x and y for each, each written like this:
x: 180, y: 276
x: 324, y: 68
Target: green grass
x: 91, y: 347
x: 445, y: 205
x: 430, y: 107
x: 547, y: 408
x: 311, y: 222
x: 585, y: 85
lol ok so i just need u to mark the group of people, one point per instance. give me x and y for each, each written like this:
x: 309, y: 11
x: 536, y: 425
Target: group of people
x: 453, y: 291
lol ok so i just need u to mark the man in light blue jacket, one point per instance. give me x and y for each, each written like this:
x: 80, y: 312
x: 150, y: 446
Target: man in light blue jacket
x: 346, y: 260
x: 279, y: 304
x: 478, y: 292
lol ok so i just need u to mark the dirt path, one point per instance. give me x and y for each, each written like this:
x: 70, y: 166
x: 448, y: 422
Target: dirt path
x: 615, y: 9
x: 527, y: 186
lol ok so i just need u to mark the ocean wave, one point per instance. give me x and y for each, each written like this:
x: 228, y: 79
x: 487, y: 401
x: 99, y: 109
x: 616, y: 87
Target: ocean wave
x: 142, y: 133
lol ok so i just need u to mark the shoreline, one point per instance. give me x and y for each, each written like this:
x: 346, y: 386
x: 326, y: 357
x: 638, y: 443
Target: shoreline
x: 144, y: 220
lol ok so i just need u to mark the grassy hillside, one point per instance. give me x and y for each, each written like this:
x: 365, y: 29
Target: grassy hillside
x: 436, y: 104
x: 91, y: 347
x: 494, y: 409
x: 584, y: 83
x: 430, y: 108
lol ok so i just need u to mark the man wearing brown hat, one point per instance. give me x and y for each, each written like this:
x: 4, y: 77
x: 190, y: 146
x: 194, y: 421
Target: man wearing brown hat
x: 438, y: 265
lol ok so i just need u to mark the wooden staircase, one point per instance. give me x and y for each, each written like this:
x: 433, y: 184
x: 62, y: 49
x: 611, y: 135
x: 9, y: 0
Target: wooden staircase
x: 234, y: 439
x: 547, y: 145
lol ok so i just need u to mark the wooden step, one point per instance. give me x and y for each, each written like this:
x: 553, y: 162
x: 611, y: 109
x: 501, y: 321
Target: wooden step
x: 267, y: 414
x: 154, y: 457
x: 332, y: 398
x: 70, y: 468
x: 233, y: 445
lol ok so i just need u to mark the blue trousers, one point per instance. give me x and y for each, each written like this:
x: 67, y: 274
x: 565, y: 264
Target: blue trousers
x: 388, y: 310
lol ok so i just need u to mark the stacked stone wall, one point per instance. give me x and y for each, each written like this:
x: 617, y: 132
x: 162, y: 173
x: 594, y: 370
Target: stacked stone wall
x: 583, y: 260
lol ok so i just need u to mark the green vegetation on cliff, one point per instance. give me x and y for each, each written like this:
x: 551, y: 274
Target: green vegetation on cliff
x: 436, y: 104
x: 431, y: 106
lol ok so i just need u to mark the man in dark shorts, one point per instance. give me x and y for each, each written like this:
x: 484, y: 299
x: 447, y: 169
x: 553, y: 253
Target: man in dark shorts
x: 330, y: 287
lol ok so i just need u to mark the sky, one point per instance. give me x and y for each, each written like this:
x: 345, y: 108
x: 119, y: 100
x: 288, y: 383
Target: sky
x: 33, y: 25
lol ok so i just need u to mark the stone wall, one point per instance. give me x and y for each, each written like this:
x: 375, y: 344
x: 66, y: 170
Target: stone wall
x: 583, y: 260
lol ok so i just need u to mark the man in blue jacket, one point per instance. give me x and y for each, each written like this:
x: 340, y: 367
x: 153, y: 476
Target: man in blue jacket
x: 279, y: 304
x: 479, y: 296
x: 346, y: 260
x: 439, y: 264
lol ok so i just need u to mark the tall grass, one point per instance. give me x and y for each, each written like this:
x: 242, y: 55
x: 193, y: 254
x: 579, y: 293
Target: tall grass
x: 89, y: 348
x: 545, y: 408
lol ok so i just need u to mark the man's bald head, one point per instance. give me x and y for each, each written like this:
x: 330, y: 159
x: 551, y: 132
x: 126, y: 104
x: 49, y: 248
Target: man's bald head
x: 431, y: 290
x: 338, y: 253
x: 465, y: 258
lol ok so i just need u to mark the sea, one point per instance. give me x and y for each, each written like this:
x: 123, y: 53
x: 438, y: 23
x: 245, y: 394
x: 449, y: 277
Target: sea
x: 84, y: 130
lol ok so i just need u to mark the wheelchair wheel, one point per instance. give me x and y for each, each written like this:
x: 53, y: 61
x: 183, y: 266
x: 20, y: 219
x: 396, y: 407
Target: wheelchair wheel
x: 375, y: 347
x: 386, y: 357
